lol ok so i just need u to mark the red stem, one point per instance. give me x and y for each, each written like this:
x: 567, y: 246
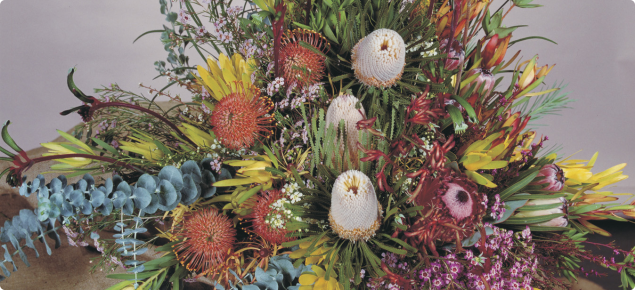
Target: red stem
x: 153, y: 113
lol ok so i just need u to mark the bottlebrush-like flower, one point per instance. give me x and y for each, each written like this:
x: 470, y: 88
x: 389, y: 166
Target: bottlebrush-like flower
x: 343, y: 108
x: 560, y: 208
x: 259, y: 218
x: 301, y: 66
x: 205, y: 237
x: 355, y: 213
x: 553, y: 176
x: 484, y: 78
x: 238, y: 119
x: 379, y: 58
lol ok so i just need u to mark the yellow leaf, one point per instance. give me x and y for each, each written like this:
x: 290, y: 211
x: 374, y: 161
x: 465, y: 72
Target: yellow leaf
x: 75, y: 141
x: 480, y: 179
x: 308, y: 278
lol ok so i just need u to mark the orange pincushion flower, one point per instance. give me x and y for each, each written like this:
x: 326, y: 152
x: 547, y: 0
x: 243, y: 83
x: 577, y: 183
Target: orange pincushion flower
x: 300, y: 65
x: 206, y: 236
x: 274, y: 235
x: 238, y: 120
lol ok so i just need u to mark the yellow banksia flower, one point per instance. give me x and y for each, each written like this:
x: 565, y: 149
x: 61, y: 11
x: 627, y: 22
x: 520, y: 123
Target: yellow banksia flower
x: 225, y: 71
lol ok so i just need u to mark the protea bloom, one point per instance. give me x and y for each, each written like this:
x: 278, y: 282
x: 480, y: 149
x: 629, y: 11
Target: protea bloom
x: 355, y: 213
x: 561, y: 206
x: 484, y: 78
x: 301, y: 66
x: 494, y: 51
x: 261, y: 225
x: 379, y: 58
x: 553, y: 176
x: 238, y: 120
x: 205, y: 237
x: 456, y: 55
x: 455, y: 203
x: 343, y: 108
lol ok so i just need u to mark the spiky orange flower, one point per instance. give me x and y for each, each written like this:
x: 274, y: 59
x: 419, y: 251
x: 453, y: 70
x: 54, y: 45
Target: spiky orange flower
x: 300, y: 65
x: 238, y: 120
x: 269, y: 233
x: 205, y: 236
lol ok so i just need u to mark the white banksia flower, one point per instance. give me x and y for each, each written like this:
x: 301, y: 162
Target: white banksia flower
x: 379, y: 58
x: 355, y: 213
x: 343, y: 108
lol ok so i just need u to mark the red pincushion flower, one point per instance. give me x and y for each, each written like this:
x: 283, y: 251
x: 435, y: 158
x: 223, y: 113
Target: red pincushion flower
x: 238, y: 120
x: 301, y: 66
x: 259, y: 215
x: 205, y: 238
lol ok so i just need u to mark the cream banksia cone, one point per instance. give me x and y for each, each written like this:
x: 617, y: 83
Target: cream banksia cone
x: 343, y: 108
x: 379, y: 58
x: 355, y: 213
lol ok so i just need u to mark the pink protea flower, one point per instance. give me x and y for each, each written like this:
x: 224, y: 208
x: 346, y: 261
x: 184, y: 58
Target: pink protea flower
x: 205, y: 237
x: 485, y: 77
x: 456, y: 55
x: 553, y: 176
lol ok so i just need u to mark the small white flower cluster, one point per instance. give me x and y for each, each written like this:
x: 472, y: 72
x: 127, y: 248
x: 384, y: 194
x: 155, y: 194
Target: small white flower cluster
x: 423, y: 46
x: 279, y: 214
x: 234, y: 10
x: 427, y: 140
x: 217, y: 147
x: 184, y: 17
x: 298, y: 131
x: 275, y: 86
x: 225, y: 37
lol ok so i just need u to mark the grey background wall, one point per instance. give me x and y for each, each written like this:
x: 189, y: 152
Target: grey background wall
x: 40, y: 40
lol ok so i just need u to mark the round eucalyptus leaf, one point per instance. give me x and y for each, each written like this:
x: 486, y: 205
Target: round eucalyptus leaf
x: 67, y: 209
x: 55, y: 211
x: 43, y: 209
x: 173, y: 205
x: 137, y: 252
x: 191, y: 167
x: 97, y: 197
x: 57, y: 199
x: 141, y: 197
x: 24, y: 189
x: 146, y: 181
x: 123, y: 186
x: 87, y: 208
x: 116, y: 179
x: 76, y: 198
x: 119, y: 199
x: 94, y: 235
x: 206, y: 185
x: 206, y: 163
x: 82, y: 185
x: 167, y: 193
x: 173, y: 175
x: 189, y: 191
x: 108, y: 186
x: 138, y: 269
x: 128, y: 207
x: 90, y: 181
x: 35, y: 185
x: 153, y: 206
x: 63, y: 179
x: 106, y: 208
x: 67, y: 191
x: 55, y: 186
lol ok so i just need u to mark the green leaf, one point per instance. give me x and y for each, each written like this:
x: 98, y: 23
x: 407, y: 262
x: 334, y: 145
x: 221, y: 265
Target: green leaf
x: 140, y: 276
x: 389, y: 248
x: 518, y: 185
x: 7, y: 138
x: 532, y: 220
x: 105, y: 146
x: 468, y: 108
x: 531, y: 37
x: 74, y: 89
x: 120, y: 285
x: 147, y: 32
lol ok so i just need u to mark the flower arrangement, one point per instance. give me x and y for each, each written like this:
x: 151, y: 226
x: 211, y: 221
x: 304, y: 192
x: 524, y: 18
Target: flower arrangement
x: 329, y: 144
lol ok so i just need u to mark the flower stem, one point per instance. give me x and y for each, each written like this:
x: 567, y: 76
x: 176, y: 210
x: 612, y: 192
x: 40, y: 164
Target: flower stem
x: 147, y: 111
